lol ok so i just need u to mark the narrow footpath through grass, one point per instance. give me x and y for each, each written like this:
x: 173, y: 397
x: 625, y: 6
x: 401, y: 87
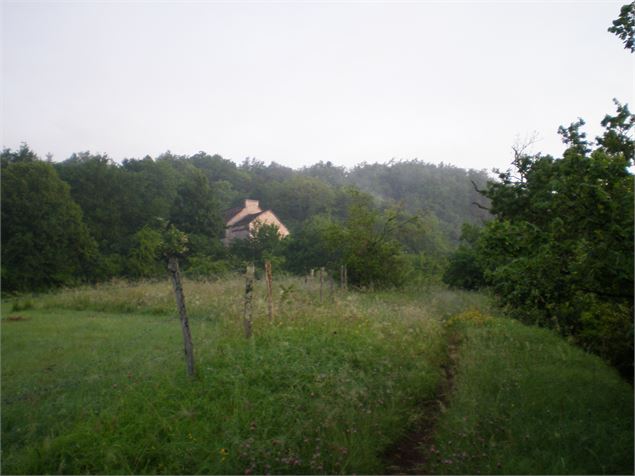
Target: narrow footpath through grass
x: 93, y: 381
x: 527, y: 402
x: 325, y: 388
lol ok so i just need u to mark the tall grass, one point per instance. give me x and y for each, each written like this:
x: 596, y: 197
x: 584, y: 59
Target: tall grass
x: 527, y: 402
x: 94, y: 380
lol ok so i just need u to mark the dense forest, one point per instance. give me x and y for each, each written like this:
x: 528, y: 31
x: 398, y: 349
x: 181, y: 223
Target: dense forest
x: 90, y: 218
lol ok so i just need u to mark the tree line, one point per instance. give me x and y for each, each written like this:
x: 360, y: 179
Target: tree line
x: 552, y: 238
x: 91, y: 219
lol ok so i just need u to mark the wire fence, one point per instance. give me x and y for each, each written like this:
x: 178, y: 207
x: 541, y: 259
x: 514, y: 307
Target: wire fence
x: 134, y: 352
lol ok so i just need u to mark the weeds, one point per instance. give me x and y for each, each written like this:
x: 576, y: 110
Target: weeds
x: 323, y: 388
x: 93, y: 381
x: 526, y: 402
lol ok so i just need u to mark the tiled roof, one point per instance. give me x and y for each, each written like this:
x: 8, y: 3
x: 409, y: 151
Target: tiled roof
x: 231, y: 213
x: 246, y: 219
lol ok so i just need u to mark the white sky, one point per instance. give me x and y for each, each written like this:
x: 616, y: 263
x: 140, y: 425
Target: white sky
x: 297, y: 83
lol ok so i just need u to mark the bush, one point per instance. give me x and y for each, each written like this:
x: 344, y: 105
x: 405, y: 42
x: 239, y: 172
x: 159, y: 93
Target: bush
x: 463, y: 270
x: 607, y: 330
x: 201, y: 266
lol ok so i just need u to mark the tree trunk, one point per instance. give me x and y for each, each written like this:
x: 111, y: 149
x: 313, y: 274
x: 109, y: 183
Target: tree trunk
x: 173, y: 268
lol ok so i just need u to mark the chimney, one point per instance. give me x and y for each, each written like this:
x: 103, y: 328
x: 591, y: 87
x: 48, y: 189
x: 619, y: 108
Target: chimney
x: 251, y: 206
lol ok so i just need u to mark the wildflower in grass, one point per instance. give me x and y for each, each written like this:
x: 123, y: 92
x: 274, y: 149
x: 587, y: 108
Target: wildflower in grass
x: 223, y: 454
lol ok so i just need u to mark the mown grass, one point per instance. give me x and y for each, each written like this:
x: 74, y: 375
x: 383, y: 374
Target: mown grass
x: 527, y: 402
x: 94, y: 380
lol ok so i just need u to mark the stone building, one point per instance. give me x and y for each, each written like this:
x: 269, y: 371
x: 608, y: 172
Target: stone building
x: 241, y: 222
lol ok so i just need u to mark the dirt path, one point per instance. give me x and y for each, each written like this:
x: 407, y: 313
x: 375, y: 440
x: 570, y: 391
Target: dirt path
x: 409, y: 455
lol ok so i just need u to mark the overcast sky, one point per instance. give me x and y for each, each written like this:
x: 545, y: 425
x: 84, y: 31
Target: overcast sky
x: 297, y: 83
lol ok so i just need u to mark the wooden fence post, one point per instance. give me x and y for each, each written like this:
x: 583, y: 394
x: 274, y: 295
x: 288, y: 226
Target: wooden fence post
x: 173, y: 268
x: 345, y: 278
x: 332, y: 287
x: 341, y: 276
x: 249, y: 293
x: 321, y: 282
x: 269, y: 277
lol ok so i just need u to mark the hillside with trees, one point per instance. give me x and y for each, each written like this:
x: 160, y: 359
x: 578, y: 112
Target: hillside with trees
x: 413, y: 208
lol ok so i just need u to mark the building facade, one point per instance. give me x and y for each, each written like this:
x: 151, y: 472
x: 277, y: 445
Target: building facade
x: 242, y: 222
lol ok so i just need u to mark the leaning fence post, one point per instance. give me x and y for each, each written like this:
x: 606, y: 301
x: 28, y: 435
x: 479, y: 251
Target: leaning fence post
x: 249, y: 292
x: 173, y: 268
x: 269, y: 278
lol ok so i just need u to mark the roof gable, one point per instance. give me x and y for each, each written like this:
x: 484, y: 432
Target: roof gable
x: 231, y: 213
x: 246, y: 219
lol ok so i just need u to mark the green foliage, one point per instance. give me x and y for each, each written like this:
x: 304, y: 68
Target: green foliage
x: 624, y: 26
x: 365, y: 242
x: 22, y: 305
x: 44, y: 240
x: 195, y: 208
x: 294, y: 198
x: 143, y: 261
x: 327, y: 172
x: 443, y: 191
x: 23, y: 154
x: 118, y: 201
x: 204, y: 267
x: 560, y: 252
x: 325, y: 389
x: 526, y: 402
x: 265, y: 243
x: 463, y: 269
x: 105, y: 195
x: 607, y: 329
x: 109, y: 266
x: 371, y: 253
x: 425, y: 246
x: 173, y: 242
x: 310, y: 247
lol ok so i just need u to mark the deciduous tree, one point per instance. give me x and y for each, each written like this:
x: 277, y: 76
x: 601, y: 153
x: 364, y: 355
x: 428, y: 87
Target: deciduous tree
x: 45, y: 242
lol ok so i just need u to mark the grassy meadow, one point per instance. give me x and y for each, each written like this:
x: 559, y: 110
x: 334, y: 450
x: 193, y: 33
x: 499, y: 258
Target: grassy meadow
x: 93, y: 381
x: 527, y: 402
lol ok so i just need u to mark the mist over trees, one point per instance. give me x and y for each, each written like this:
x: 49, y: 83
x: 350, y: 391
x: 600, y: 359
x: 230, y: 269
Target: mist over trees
x: 551, y: 238
x: 404, y: 213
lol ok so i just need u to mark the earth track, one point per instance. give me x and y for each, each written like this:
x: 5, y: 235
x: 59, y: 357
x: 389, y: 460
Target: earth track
x: 410, y: 454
